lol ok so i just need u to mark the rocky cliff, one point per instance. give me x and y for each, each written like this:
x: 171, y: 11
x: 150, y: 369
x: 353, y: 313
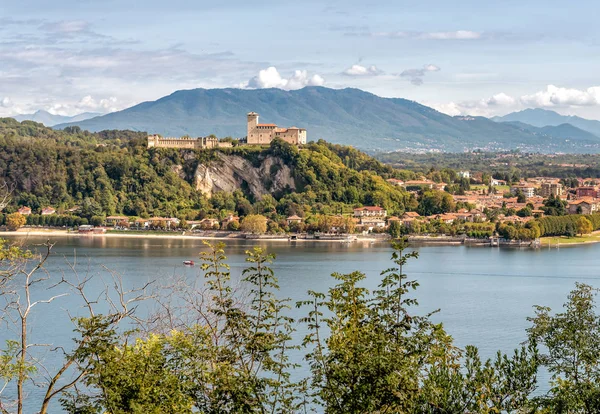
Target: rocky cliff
x: 232, y: 172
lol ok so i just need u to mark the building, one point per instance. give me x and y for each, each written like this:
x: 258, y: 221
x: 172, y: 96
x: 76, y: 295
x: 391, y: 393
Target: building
x: 587, y: 191
x: 551, y: 188
x: 228, y: 220
x: 156, y: 141
x: 464, y: 174
x: 370, y: 223
x: 25, y: 211
x: 114, y: 220
x: 47, y: 211
x: 527, y: 189
x: 163, y: 222
x: 583, y: 206
x: 395, y: 181
x: 263, y: 134
x: 370, y: 211
x: 294, y: 219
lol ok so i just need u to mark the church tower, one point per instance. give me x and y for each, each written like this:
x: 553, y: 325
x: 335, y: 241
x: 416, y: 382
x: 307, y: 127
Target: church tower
x: 252, y: 135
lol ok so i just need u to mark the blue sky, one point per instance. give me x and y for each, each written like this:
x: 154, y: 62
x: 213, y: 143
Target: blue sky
x: 461, y: 57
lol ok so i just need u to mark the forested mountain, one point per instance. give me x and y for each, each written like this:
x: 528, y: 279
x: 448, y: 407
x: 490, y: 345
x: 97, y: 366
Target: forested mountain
x: 344, y: 116
x: 48, y: 119
x: 543, y: 117
x: 113, y: 172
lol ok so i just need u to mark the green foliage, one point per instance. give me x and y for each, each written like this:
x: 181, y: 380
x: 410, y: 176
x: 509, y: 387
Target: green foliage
x: 254, y: 223
x: 113, y: 172
x: 554, y: 206
x: 433, y: 202
x: 395, y: 229
x: 584, y: 226
x: 566, y: 225
x: 381, y: 357
x: 571, y: 340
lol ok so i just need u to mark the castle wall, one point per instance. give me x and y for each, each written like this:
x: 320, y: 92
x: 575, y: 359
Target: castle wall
x: 155, y: 141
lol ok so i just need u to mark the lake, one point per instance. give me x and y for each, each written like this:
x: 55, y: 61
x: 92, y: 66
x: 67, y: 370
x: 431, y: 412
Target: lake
x: 484, y: 294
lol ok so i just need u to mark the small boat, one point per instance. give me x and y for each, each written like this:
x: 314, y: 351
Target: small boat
x: 188, y: 262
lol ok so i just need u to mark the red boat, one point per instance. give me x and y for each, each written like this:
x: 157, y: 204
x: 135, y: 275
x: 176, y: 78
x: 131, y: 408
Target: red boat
x: 188, y: 262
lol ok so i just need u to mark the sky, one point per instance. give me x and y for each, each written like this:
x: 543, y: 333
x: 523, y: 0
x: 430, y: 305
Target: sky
x: 459, y: 57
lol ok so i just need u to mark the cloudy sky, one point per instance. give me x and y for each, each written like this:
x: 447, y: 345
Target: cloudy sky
x: 460, y: 57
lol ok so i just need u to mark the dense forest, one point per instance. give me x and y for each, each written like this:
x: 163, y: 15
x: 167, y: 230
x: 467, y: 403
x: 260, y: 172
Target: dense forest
x: 113, y: 172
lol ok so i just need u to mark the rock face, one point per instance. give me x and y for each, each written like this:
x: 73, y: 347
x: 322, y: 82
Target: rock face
x: 232, y: 172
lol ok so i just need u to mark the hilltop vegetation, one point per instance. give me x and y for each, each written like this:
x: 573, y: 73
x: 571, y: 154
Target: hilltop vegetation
x: 112, y: 172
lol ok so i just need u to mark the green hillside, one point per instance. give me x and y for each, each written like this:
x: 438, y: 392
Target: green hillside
x: 112, y: 172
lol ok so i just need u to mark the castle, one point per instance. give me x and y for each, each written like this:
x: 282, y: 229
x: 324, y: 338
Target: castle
x: 258, y: 134
x: 186, y: 142
x: 263, y: 134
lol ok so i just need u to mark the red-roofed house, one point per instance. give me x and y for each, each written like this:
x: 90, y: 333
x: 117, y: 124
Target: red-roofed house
x: 47, y: 211
x: 24, y: 211
x: 294, y: 219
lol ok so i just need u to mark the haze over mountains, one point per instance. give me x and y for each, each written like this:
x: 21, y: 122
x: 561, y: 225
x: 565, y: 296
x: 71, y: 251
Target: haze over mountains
x: 345, y: 116
x: 48, y: 119
x: 543, y: 117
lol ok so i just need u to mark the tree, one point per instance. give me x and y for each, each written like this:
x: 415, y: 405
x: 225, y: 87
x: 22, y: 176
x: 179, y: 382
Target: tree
x: 584, y: 226
x: 572, y: 342
x: 381, y: 357
x: 395, y: 229
x: 21, y: 290
x: 15, y: 221
x: 570, y: 230
x: 254, y: 223
x: 435, y: 202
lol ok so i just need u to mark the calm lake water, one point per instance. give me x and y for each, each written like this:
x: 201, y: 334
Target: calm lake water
x: 484, y: 294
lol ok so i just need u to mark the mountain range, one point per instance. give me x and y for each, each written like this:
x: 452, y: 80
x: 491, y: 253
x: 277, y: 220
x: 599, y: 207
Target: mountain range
x: 48, y: 119
x: 543, y: 117
x: 345, y: 116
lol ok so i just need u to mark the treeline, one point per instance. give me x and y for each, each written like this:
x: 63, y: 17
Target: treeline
x: 569, y: 225
x: 229, y: 346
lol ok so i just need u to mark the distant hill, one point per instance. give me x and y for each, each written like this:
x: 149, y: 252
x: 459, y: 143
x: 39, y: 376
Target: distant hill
x: 543, y: 117
x: 566, y: 131
x: 344, y: 116
x: 48, y: 119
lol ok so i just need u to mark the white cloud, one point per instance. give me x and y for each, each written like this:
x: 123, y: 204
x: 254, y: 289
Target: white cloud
x: 68, y: 26
x: 416, y: 75
x: 271, y: 78
x: 554, y: 96
x: 6, y: 102
x: 359, y: 70
x: 456, y: 35
x: 498, y: 104
x: 453, y: 35
x: 89, y: 104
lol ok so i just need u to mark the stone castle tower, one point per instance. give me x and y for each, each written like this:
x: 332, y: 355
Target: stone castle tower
x: 252, y: 124
x: 263, y: 134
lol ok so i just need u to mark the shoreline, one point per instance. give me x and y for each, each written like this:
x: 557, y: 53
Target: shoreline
x: 25, y: 232
x: 178, y: 236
